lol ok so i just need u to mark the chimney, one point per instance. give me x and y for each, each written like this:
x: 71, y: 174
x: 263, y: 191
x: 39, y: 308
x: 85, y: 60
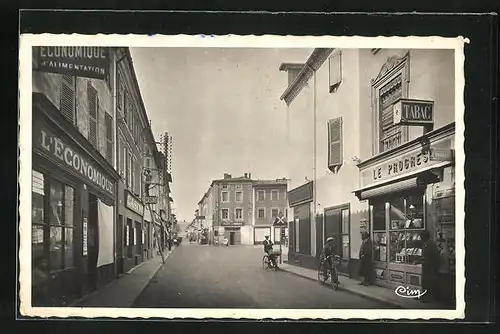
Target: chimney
x: 227, y: 176
x: 245, y: 175
x: 249, y: 175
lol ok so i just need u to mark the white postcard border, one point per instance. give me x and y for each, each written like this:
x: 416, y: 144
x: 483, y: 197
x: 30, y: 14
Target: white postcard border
x: 230, y: 41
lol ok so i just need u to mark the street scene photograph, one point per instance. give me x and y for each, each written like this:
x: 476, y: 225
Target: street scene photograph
x: 224, y: 177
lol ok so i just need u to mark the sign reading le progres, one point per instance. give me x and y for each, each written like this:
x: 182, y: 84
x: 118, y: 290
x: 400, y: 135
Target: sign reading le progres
x: 413, y: 112
x: 80, y: 61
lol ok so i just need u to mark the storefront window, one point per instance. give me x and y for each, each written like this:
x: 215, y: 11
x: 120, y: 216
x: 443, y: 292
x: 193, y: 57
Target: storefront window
x: 40, y: 267
x: 406, y: 223
x: 379, y: 216
x: 380, y: 246
x: 52, y: 234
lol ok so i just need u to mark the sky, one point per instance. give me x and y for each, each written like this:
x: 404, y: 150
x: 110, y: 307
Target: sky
x: 223, y: 110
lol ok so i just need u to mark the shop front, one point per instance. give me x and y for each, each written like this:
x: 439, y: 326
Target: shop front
x: 73, y: 210
x: 299, y: 249
x: 131, y: 212
x: 232, y: 231
x: 410, y: 189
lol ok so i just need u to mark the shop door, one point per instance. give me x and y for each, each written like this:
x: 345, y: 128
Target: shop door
x: 119, y: 245
x: 138, y: 246
x: 232, y: 238
x: 92, y: 243
x: 333, y: 228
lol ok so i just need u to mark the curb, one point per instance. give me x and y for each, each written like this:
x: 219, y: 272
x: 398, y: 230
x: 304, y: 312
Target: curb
x: 354, y: 292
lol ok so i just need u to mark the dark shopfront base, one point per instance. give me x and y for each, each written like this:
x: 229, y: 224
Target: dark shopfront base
x: 446, y: 283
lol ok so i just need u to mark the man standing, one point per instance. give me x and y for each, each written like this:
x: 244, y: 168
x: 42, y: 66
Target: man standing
x: 430, y: 268
x: 366, y: 259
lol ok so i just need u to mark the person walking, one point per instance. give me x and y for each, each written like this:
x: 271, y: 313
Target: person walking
x: 430, y: 268
x: 366, y: 259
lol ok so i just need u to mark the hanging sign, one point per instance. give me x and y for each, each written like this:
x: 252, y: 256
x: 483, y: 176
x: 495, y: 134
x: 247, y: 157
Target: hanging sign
x: 79, y: 61
x: 85, y: 247
x: 151, y: 199
x: 413, y: 112
x: 133, y: 203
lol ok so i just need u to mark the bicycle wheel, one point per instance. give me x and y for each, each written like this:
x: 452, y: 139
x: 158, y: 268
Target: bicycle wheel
x: 265, y: 262
x: 321, y: 275
x: 334, y: 281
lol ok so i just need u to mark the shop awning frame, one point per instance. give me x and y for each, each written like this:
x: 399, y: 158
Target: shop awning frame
x: 411, y: 181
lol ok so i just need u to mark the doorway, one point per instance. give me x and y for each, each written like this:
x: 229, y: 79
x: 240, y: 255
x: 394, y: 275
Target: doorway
x: 337, y: 226
x: 92, y: 242
x: 232, y: 236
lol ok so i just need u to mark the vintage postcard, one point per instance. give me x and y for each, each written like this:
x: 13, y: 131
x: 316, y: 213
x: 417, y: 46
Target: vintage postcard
x: 244, y: 177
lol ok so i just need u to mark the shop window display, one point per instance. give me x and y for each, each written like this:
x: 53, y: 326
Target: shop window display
x: 406, y: 224
x: 52, y: 226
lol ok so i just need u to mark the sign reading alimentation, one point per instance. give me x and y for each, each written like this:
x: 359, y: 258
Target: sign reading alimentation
x: 413, y: 112
x: 79, y: 61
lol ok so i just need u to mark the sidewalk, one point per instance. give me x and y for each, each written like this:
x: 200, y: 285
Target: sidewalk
x: 123, y: 291
x: 383, y: 295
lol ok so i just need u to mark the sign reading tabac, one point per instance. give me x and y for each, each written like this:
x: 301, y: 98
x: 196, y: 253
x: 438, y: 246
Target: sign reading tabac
x: 414, y: 112
x: 80, y: 61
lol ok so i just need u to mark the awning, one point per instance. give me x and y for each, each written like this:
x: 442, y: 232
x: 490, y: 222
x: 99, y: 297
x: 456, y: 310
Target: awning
x: 396, y: 187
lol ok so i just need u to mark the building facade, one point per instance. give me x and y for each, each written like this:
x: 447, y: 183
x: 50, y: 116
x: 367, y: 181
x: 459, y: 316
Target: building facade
x: 241, y: 209
x: 138, y: 156
x: 91, y: 141
x: 74, y: 182
x: 364, y: 168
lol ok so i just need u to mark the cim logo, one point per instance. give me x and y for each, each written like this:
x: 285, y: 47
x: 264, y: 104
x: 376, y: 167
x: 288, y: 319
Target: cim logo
x: 407, y: 292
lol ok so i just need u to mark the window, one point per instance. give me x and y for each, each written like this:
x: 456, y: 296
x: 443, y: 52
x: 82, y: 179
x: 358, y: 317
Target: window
x: 93, y: 105
x: 335, y: 144
x: 239, y: 196
x: 108, y: 120
x: 52, y: 226
x: 388, y: 87
x: 129, y: 169
x: 261, y: 213
x: 274, y: 195
x: 122, y: 156
x: 68, y: 97
x: 335, y: 71
x: 225, y: 213
x: 261, y: 195
x: 120, y: 100
x: 390, y: 134
x: 225, y: 196
x: 238, y: 213
x: 274, y: 212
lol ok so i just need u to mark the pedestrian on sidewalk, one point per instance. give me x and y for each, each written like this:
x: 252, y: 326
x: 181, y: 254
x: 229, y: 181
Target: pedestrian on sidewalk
x: 366, y: 259
x: 430, y: 268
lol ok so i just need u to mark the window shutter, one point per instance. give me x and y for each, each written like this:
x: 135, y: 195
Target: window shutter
x: 335, y: 67
x: 67, y: 98
x: 335, y: 157
x: 93, y: 105
x: 109, y: 136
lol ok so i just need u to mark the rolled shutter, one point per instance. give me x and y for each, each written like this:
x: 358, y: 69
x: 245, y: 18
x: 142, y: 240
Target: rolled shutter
x: 335, y: 143
x: 392, y: 188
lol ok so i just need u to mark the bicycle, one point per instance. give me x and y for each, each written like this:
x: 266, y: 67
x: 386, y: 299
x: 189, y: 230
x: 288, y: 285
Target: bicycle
x: 331, y: 274
x: 267, y: 264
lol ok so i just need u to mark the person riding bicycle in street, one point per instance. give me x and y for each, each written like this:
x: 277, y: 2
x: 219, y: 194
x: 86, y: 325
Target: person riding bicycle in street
x: 268, y: 247
x: 328, y: 251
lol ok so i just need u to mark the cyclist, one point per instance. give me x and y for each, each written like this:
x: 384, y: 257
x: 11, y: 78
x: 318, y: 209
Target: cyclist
x: 328, y: 251
x: 268, y: 247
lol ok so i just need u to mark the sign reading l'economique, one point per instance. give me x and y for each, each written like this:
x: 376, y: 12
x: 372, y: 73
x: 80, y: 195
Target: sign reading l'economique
x: 80, y: 61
